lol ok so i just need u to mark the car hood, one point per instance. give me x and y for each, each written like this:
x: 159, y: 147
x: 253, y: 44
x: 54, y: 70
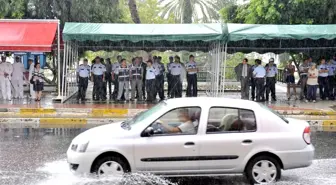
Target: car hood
x: 112, y: 130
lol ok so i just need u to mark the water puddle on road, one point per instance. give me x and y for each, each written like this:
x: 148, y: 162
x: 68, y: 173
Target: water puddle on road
x: 322, y: 172
x: 61, y: 175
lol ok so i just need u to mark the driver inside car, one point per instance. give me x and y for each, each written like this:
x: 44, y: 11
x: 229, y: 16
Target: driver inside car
x: 187, y: 125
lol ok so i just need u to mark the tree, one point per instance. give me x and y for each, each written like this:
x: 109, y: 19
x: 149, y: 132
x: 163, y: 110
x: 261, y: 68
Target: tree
x: 134, y: 11
x: 188, y: 11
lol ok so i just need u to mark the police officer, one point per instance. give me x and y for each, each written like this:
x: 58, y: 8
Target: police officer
x: 259, y: 74
x: 159, y: 78
x: 323, y: 79
x: 150, y: 81
x: 176, y: 69
x: 115, y: 77
x: 271, y: 72
x: 331, y: 80
x: 98, y: 78
x: 169, y: 80
x: 136, y: 79
x: 83, y: 72
x: 192, y: 70
x: 17, y: 78
x: 304, y: 77
x: 123, y: 73
x: 102, y: 61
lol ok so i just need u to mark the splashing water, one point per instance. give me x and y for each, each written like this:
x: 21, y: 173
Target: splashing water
x: 60, y: 174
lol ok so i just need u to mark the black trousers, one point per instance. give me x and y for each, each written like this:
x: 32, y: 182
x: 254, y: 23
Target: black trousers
x: 323, y: 86
x: 169, y: 81
x: 260, y: 86
x: 176, y: 91
x: 270, y: 87
x: 331, y: 87
x: 98, y: 87
x: 144, y: 89
x: 108, y: 81
x: 82, y: 87
x: 192, y: 85
x: 150, y: 87
x: 159, y: 85
x: 253, y: 88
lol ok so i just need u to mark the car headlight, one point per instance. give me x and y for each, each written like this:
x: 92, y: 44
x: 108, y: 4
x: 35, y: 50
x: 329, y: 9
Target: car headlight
x: 79, y: 147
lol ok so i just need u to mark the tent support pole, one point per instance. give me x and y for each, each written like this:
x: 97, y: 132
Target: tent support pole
x: 58, y: 59
x: 224, y: 70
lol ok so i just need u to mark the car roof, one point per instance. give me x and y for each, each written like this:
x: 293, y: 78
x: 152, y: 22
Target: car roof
x: 213, y: 101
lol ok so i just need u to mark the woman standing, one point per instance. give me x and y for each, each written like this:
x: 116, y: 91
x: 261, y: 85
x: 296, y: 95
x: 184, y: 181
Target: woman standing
x: 290, y: 79
x: 38, y: 81
x: 312, y: 83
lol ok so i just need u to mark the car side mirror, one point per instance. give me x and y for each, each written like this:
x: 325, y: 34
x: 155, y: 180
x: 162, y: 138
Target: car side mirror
x: 148, y: 132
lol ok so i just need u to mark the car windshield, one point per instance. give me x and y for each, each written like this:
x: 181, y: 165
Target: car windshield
x: 274, y: 112
x: 142, y: 115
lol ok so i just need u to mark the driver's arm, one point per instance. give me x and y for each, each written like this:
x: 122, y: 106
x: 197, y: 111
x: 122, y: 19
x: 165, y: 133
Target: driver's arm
x: 169, y: 128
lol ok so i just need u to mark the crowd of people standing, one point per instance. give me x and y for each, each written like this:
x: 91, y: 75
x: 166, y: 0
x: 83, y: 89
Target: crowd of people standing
x: 262, y: 79
x: 144, y: 78
x: 12, y: 79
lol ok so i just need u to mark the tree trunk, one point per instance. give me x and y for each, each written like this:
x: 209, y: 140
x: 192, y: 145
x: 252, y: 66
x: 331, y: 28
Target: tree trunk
x: 187, y: 12
x: 134, y: 11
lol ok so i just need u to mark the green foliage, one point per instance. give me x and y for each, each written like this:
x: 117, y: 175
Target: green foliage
x: 282, y: 12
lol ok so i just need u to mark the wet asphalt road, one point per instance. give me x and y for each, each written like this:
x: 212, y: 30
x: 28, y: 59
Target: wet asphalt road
x: 39, y: 158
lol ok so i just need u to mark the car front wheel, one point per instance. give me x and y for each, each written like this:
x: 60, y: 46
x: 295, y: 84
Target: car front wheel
x: 263, y: 169
x: 110, y: 166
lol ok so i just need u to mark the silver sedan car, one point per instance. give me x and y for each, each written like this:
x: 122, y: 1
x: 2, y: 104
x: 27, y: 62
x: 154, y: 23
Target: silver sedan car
x: 196, y: 137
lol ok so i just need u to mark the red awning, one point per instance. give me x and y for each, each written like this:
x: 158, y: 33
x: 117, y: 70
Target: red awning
x: 27, y: 35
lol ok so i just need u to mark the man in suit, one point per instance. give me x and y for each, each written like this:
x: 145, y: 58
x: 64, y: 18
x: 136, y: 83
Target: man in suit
x: 243, y: 73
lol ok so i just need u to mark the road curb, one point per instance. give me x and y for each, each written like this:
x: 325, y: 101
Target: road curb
x: 316, y: 125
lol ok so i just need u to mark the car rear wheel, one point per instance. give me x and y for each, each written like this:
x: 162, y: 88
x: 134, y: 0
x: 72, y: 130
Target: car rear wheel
x: 263, y: 169
x: 110, y: 166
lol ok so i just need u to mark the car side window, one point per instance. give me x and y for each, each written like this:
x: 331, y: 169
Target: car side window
x: 182, y: 120
x: 222, y: 119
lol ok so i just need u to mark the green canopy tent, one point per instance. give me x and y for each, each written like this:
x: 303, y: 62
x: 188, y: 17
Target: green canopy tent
x: 148, y: 37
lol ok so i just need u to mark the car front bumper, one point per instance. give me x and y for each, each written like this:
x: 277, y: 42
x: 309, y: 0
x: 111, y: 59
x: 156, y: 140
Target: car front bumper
x: 80, y: 163
x: 298, y: 158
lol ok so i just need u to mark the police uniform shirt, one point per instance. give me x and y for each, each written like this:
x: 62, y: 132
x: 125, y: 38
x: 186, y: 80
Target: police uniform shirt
x: 259, y: 72
x: 191, y: 65
x: 159, y: 68
x: 84, y: 70
x: 98, y: 69
x: 271, y: 71
x: 150, y: 73
x: 323, y: 67
x: 115, y: 66
x: 331, y: 69
x: 168, y: 68
x: 176, y: 69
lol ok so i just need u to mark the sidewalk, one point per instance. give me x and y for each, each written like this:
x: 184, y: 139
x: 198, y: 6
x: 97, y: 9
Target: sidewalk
x: 28, y: 113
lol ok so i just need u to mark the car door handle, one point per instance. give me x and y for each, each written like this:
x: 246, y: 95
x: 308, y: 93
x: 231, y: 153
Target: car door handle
x: 189, y: 143
x: 247, y: 141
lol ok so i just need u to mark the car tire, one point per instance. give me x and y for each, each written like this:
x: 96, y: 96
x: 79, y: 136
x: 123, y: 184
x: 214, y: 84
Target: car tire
x: 269, y: 164
x: 110, y: 164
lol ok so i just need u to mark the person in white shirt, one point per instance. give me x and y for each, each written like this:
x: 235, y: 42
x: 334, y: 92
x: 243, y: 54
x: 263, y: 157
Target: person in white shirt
x: 187, y: 126
x: 150, y: 81
x: 6, y: 70
x: 17, y: 78
x: 31, y: 71
x: 312, y: 83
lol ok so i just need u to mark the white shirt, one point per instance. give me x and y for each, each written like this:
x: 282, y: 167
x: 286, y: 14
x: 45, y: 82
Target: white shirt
x: 84, y: 70
x: 150, y: 73
x: 98, y: 69
x: 191, y: 65
x: 187, y: 127
x: 31, y: 70
x: 312, y: 77
x: 259, y: 72
x: 18, y: 70
x: 6, y: 67
x: 271, y: 71
x: 176, y: 69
